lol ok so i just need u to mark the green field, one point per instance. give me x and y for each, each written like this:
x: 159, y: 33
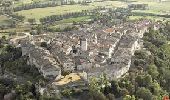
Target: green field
x: 154, y: 7
x: 42, y: 12
x: 157, y: 8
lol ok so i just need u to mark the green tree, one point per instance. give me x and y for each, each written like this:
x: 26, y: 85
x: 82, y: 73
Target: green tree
x: 44, y: 44
x: 155, y: 88
x: 144, y: 93
x: 32, y: 21
x: 128, y: 97
x: 111, y: 96
x: 144, y: 80
x: 153, y: 71
x: 97, y: 96
x: 93, y: 85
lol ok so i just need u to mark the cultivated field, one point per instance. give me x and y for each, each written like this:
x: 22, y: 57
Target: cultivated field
x: 42, y: 12
x: 157, y: 8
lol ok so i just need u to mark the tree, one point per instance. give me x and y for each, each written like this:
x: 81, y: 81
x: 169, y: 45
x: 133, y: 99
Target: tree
x: 124, y: 92
x: 2, y: 91
x: 97, y: 96
x: 115, y: 89
x: 111, y: 96
x: 9, y: 48
x: 128, y: 97
x: 94, y: 86
x: 44, y: 44
x: 140, y: 54
x: 32, y: 21
x: 153, y: 71
x: 67, y: 92
x: 72, y: 2
x: 144, y: 93
x: 155, y: 88
x: 1, y: 44
x: 4, y: 38
x: 144, y: 80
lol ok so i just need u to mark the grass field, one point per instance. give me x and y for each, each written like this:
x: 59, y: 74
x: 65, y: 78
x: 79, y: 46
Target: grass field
x: 42, y: 12
x: 157, y: 8
x: 154, y: 7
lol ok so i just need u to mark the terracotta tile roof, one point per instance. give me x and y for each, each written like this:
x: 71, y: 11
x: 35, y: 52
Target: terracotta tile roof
x: 109, y: 30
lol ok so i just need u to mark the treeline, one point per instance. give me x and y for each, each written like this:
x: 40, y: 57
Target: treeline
x: 53, y: 18
x: 49, y: 4
x: 65, y: 29
x: 17, y: 17
x: 150, y: 14
x: 37, y: 5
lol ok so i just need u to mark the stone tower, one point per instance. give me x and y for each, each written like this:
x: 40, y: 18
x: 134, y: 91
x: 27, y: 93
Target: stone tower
x: 83, y: 44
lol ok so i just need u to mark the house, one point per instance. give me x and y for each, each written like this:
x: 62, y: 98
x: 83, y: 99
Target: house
x: 82, y: 63
x: 45, y: 62
x: 68, y: 65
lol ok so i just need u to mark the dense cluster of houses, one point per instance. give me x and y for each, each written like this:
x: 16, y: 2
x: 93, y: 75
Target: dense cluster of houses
x: 72, y: 58
x: 91, y: 50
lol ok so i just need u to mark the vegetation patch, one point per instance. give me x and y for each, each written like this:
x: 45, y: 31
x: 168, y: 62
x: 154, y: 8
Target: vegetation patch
x: 4, y: 21
x: 71, y: 20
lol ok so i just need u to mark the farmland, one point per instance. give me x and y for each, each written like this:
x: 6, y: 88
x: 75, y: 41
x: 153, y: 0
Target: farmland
x: 157, y: 8
x: 154, y: 8
x: 43, y: 12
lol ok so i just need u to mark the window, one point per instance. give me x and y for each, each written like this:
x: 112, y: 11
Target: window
x: 74, y: 51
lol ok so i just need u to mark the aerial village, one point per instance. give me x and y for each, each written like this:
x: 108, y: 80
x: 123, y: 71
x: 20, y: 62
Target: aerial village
x: 84, y: 49
x: 73, y: 58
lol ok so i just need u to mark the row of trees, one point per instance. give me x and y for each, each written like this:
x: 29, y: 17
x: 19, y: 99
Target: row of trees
x: 48, y: 4
x: 17, y: 17
x: 53, y: 18
x: 65, y: 29
x: 119, y: 13
x: 37, y: 5
x: 150, y: 14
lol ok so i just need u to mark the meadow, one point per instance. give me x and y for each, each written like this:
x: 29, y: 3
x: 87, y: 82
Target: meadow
x: 157, y: 8
x: 43, y: 12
